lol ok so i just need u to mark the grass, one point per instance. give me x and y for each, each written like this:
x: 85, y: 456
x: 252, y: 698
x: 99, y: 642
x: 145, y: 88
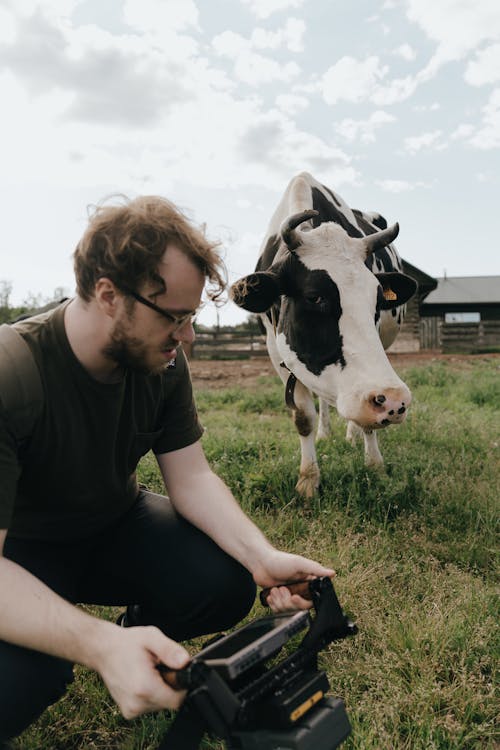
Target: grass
x: 416, y: 553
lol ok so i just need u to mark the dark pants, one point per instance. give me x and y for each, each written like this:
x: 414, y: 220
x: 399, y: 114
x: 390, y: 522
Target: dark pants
x: 184, y: 583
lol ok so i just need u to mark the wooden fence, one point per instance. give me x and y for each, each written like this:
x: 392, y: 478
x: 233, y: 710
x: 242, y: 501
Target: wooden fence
x: 434, y: 334
x: 471, y: 337
x: 228, y: 345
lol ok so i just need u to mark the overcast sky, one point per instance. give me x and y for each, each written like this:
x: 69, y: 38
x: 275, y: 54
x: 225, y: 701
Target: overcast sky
x: 217, y: 104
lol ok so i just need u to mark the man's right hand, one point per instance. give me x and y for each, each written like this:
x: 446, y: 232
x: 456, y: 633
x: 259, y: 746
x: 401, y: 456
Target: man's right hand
x: 127, y: 664
x: 33, y: 616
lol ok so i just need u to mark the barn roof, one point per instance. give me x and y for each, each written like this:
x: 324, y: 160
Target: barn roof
x: 466, y: 290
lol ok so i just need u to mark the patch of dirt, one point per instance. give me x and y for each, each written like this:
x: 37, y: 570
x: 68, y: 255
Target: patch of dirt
x: 245, y: 373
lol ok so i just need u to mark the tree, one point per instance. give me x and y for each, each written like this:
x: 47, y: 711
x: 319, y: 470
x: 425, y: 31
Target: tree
x: 5, y: 292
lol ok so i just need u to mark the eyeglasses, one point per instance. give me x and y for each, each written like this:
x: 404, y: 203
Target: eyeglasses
x: 177, y: 320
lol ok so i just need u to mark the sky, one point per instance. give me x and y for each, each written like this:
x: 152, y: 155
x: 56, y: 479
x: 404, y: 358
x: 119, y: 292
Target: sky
x: 217, y: 104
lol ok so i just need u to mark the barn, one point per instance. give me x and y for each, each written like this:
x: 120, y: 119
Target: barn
x: 451, y: 314
x: 463, y: 314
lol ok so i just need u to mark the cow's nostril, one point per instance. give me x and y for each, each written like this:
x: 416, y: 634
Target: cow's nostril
x: 402, y: 410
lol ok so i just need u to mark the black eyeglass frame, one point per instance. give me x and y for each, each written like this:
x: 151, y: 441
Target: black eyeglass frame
x: 177, y: 320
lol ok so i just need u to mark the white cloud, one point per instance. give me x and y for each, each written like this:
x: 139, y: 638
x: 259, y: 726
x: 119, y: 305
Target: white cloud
x: 365, y: 130
x: 265, y: 8
x: 357, y: 81
x: 158, y: 15
x: 396, y: 90
x: 291, y: 103
x: 457, y: 26
x: 427, y: 107
x: 251, y: 67
x: 463, y: 131
x: 290, y: 36
x: 426, y: 140
x: 273, y: 143
x: 405, y: 51
x: 352, y: 80
x: 399, y: 186
x: 488, y: 135
x: 256, y: 70
x: 485, y: 68
x: 7, y: 26
x: 53, y: 9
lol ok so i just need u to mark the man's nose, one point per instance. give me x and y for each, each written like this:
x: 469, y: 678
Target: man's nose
x: 185, y: 333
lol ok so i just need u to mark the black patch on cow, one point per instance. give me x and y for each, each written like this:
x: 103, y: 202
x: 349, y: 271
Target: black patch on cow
x: 269, y: 253
x: 310, y: 315
x: 329, y: 212
x: 363, y: 224
x: 379, y: 221
x: 333, y: 196
x: 381, y: 259
x: 302, y: 422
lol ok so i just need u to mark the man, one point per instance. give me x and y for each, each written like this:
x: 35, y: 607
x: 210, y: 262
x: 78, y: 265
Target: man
x: 76, y: 526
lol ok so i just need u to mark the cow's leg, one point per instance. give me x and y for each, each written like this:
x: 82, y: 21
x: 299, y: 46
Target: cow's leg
x: 305, y: 418
x: 353, y: 432
x: 373, y: 456
x: 324, y: 428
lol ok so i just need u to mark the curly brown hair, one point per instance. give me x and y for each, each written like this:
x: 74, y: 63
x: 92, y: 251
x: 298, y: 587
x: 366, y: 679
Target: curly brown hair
x: 126, y: 243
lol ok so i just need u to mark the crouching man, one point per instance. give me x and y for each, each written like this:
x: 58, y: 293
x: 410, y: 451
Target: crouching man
x: 75, y: 525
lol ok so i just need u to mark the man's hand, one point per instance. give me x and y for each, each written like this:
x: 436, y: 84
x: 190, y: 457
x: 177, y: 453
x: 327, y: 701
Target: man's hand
x: 277, y: 568
x: 127, y: 664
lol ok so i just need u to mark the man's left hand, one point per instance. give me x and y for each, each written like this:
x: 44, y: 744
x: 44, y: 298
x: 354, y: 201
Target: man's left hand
x: 276, y: 568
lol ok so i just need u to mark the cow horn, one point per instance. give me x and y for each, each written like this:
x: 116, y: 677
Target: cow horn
x: 289, y: 226
x: 381, y: 239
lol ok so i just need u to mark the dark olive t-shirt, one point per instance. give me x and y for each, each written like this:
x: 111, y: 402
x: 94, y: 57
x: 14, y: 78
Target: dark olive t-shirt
x: 76, y: 473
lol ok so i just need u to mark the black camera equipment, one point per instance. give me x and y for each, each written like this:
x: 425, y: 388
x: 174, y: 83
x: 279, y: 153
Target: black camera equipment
x: 234, y: 695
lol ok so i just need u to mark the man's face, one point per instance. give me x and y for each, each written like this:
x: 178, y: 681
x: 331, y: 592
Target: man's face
x: 143, y: 339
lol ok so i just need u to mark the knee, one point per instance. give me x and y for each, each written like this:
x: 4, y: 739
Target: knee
x: 31, y: 682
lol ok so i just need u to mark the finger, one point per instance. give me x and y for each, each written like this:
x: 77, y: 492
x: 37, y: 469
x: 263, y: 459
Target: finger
x: 277, y: 599
x: 166, y: 651
x: 280, y: 600
x: 299, y: 586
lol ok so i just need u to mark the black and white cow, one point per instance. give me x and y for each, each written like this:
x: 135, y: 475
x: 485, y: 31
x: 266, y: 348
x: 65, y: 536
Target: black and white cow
x: 330, y: 293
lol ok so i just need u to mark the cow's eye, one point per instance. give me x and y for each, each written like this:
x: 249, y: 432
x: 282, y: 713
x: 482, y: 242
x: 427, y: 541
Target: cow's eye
x: 316, y: 303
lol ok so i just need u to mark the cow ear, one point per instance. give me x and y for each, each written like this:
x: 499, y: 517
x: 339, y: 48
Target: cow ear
x: 256, y: 292
x: 397, y: 288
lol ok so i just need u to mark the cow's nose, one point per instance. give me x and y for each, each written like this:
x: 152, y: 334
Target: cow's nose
x: 389, y: 406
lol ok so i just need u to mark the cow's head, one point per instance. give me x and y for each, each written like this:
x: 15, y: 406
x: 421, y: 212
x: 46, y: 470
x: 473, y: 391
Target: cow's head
x: 325, y: 304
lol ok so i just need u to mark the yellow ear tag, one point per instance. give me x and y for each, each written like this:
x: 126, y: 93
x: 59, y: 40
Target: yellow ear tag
x: 389, y: 294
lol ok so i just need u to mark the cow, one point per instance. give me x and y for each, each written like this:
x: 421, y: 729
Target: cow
x: 330, y: 292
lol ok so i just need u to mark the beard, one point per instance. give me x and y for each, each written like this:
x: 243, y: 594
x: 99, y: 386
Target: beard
x: 130, y: 353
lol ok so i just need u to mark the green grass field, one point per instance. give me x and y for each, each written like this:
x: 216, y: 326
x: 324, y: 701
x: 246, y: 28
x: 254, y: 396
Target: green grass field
x: 415, y: 548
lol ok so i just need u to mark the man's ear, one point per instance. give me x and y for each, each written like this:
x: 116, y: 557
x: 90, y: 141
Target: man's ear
x: 397, y: 288
x: 256, y: 292
x: 106, y: 296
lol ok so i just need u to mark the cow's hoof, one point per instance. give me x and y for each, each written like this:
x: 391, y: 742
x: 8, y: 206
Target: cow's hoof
x: 307, y: 486
x: 374, y: 464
